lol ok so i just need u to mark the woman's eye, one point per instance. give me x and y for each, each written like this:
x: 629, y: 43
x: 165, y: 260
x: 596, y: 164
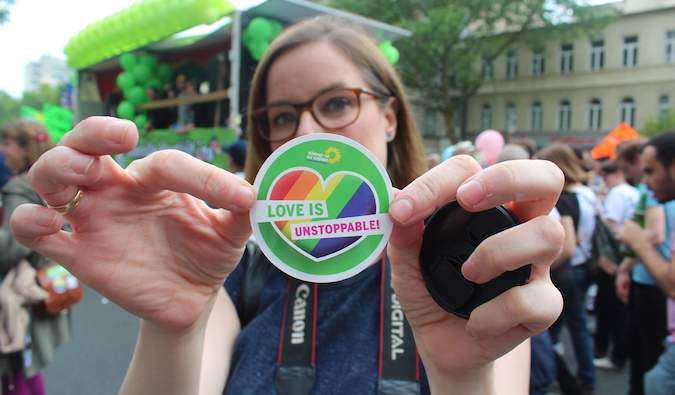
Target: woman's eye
x: 284, y: 119
x: 337, y: 104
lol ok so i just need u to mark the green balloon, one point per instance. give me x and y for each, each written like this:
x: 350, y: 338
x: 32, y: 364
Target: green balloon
x: 142, y: 73
x: 209, y: 15
x: 128, y: 61
x: 125, y: 110
x: 258, y: 48
x: 141, y: 120
x: 155, y: 83
x: 164, y: 72
x: 246, y: 37
x: 149, y: 60
x: 261, y: 29
x: 137, y: 95
x: 392, y: 55
x: 277, y: 28
x: 125, y: 80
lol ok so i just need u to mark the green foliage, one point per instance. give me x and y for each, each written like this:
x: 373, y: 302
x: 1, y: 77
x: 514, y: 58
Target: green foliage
x: 44, y: 94
x: 453, y: 41
x: 666, y: 121
x: 4, y: 10
x: 9, y: 108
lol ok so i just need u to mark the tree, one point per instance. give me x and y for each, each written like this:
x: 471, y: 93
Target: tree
x: 4, y: 10
x: 44, y: 94
x: 665, y: 121
x: 9, y: 108
x: 453, y: 42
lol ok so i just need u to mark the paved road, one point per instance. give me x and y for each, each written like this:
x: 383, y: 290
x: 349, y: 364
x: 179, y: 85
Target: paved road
x: 105, y: 335
x: 97, y: 359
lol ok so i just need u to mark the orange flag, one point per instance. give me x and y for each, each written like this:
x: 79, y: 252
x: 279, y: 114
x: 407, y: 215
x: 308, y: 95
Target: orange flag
x: 606, y: 147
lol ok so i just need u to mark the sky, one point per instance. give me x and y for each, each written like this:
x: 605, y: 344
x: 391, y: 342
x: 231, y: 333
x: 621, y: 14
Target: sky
x: 43, y: 27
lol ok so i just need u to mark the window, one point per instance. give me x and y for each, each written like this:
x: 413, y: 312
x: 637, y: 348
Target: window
x: 630, y: 51
x: 430, y: 123
x: 511, y: 116
x: 564, y: 115
x: 670, y: 46
x: 664, y: 106
x: 597, y: 55
x: 566, y: 58
x: 538, y: 59
x: 512, y: 64
x: 537, y: 116
x: 485, y: 117
x: 627, y: 111
x: 595, y: 115
x: 487, y: 72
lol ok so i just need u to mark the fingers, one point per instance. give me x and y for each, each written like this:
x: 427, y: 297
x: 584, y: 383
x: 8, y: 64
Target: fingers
x: 523, y: 311
x: 537, y: 242
x: 431, y: 190
x: 77, y: 159
x: 39, y: 229
x: 532, y: 187
x: 180, y: 172
x: 102, y: 136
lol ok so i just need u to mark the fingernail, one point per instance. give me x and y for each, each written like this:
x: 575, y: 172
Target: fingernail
x: 81, y: 164
x: 402, y: 210
x: 46, y: 218
x: 469, y: 270
x: 117, y: 130
x: 471, y: 193
x: 243, y: 196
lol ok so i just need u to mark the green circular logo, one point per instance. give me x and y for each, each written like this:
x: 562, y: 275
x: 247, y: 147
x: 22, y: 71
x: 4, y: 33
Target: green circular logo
x: 321, y: 214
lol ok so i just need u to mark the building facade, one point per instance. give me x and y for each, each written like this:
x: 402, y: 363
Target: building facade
x: 579, y: 90
x: 48, y: 70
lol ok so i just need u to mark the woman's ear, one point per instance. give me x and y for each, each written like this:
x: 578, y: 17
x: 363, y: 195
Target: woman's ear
x: 391, y: 118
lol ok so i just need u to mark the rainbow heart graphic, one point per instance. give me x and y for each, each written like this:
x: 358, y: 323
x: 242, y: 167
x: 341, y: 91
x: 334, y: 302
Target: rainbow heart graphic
x: 346, y: 194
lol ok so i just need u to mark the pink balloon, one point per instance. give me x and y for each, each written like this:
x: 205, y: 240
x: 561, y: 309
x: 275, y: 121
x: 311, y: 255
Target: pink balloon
x: 490, y: 143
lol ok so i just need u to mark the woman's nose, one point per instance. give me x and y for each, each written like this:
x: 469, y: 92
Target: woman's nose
x: 307, y: 124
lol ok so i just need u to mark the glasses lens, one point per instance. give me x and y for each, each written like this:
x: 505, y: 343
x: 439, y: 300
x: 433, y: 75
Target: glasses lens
x: 278, y: 122
x: 337, y: 108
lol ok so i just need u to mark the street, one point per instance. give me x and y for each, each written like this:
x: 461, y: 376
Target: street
x: 104, y: 339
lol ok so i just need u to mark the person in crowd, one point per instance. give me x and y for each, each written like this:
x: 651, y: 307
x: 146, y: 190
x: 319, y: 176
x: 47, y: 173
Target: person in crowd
x: 158, y: 118
x: 236, y: 160
x: 611, y: 312
x: 634, y: 285
x: 512, y: 152
x: 145, y: 239
x: 657, y: 162
x: 569, y: 278
x: 433, y: 159
x: 22, y: 144
x: 185, y: 113
x: 5, y: 171
x: 527, y: 143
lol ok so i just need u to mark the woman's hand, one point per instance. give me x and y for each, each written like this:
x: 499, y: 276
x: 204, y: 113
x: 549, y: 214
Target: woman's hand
x: 452, y: 348
x: 142, y: 236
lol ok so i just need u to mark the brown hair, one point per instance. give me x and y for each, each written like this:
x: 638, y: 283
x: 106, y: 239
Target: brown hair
x: 629, y: 150
x: 406, y: 159
x: 564, y: 157
x: 32, y: 137
x: 609, y: 166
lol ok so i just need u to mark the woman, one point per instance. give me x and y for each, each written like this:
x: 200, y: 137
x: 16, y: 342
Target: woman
x: 568, y: 278
x: 144, y: 238
x: 22, y: 144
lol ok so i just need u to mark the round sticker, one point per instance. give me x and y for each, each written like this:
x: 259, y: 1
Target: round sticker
x: 321, y: 212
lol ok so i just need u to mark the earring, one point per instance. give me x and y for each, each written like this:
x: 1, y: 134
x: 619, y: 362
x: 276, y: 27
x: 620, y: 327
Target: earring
x: 390, y: 137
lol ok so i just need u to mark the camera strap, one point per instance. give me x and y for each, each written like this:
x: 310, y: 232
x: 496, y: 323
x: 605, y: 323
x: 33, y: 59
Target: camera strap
x: 398, y: 361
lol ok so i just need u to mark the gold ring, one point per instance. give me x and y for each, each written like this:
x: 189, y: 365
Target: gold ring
x: 70, y: 206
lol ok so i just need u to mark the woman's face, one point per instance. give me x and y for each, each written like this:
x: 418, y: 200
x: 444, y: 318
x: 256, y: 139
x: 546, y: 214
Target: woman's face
x: 304, y: 72
x: 15, y: 155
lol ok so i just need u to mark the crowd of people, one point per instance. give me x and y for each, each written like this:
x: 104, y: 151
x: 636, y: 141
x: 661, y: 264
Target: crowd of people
x: 145, y: 238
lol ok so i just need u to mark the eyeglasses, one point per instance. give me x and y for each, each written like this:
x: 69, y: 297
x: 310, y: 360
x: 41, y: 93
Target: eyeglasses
x: 333, y: 110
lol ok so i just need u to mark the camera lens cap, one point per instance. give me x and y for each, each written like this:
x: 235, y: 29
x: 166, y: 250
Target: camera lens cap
x: 450, y: 236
